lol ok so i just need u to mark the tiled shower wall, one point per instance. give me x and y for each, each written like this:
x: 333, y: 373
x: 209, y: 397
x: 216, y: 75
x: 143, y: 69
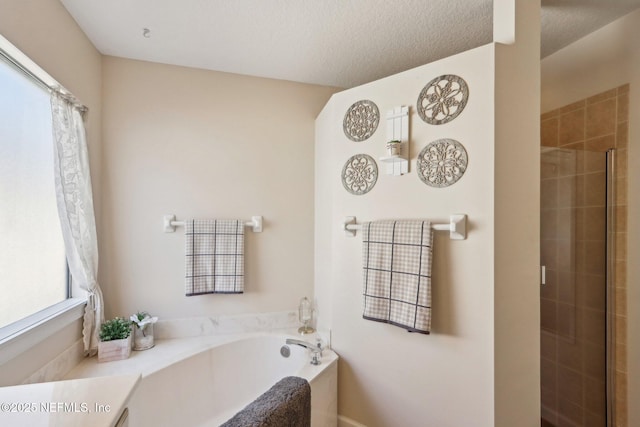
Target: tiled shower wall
x: 595, y: 124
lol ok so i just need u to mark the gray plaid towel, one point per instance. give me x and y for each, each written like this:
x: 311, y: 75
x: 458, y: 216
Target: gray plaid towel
x: 396, y: 261
x: 214, y: 252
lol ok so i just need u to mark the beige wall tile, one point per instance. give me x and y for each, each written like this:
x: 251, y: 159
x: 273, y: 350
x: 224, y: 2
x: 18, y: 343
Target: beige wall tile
x: 621, y: 357
x: 549, y: 194
x: 571, y: 414
x: 621, y: 245
x: 593, y: 326
x: 621, y: 218
x: 621, y: 413
x: 596, y: 189
x: 571, y: 127
x: 592, y: 292
x: 594, y: 363
x: 623, y: 107
x: 592, y: 419
x: 621, y: 330
x: 548, y: 253
x: 623, y: 89
x: 548, y: 373
x: 570, y: 354
x: 622, y: 135
x: 549, y: 132
x: 595, y: 219
x: 550, y: 289
x: 567, y: 191
x: 550, y: 114
x: 621, y: 272
x: 621, y: 191
x: 548, y: 316
x: 567, y: 286
x: 621, y: 163
x: 594, y: 257
x: 571, y: 107
x: 602, y: 96
x: 570, y: 385
x: 621, y: 386
x: 549, y: 223
x: 601, y: 118
x: 593, y: 161
x: 566, y: 323
x: 601, y: 143
x: 548, y: 345
x: 621, y: 301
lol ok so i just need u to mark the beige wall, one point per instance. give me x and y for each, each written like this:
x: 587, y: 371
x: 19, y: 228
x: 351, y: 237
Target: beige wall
x: 202, y: 144
x: 388, y: 376
x: 603, y: 60
x: 45, y: 32
x: 480, y: 365
x: 516, y: 257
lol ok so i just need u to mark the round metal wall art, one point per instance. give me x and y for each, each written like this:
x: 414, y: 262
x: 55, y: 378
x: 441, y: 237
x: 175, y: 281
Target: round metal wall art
x: 361, y: 120
x: 359, y: 174
x: 443, y: 99
x: 442, y: 163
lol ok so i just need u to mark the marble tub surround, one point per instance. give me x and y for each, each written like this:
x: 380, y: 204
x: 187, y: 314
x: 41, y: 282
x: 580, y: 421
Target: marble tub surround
x: 96, y: 402
x: 176, y: 339
x: 169, y: 329
x: 59, y: 366
x: 225, y: 324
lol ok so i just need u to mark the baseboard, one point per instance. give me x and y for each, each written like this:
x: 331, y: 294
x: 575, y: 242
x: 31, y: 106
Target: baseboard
x: 348, y: 422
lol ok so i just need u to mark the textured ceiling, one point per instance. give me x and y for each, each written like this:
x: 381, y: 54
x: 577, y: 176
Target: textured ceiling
x: 341, y: 43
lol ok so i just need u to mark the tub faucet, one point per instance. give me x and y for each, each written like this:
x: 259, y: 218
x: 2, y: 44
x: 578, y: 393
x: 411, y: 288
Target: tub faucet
x: 316, y: 350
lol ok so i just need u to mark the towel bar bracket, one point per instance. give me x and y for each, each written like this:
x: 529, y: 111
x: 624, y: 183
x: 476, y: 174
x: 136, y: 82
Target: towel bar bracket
x: 350, y: 221
x: 168, y: 227
x: 457, y: 226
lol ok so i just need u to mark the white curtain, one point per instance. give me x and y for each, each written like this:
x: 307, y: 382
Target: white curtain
x: 75, y: 207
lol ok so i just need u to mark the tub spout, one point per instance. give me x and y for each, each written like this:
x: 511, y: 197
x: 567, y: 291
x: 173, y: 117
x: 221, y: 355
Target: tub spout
x: 316, y: 350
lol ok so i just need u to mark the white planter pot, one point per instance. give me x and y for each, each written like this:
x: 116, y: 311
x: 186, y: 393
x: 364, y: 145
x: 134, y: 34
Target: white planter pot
x: 114, y: 350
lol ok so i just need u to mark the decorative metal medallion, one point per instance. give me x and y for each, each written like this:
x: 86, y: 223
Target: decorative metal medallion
x: 443, y: 99
x: 359, y: 174
x: 361, y: 120
x: 442, y: 163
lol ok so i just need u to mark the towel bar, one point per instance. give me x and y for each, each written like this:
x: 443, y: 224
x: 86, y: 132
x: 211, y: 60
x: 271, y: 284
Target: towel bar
x: 457, y: 226
x: 170, y: 224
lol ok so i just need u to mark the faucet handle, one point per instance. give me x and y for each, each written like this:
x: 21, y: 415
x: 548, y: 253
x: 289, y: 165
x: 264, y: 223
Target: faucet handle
x: 317, y: 352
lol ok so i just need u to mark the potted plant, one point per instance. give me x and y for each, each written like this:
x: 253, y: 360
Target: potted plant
x: 143, y: 330
x: 115, y: 340
x: 393, y: 147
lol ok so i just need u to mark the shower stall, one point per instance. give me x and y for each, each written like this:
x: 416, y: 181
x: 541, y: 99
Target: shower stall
x: 577, y: 286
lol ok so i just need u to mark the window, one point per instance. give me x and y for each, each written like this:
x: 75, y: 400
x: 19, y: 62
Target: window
x: 33, y: 268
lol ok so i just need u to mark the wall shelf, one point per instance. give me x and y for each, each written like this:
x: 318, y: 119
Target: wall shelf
x: 398, y: 130
x: 395, y: 165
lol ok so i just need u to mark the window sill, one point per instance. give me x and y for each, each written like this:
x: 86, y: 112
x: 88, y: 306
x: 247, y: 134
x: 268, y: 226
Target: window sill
x: 20, y: 336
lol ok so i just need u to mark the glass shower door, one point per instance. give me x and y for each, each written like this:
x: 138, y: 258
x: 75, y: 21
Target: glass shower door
x: 573, y: 296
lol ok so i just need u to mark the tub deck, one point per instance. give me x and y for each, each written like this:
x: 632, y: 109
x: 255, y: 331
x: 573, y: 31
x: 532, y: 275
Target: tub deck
x: 167, y: 376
